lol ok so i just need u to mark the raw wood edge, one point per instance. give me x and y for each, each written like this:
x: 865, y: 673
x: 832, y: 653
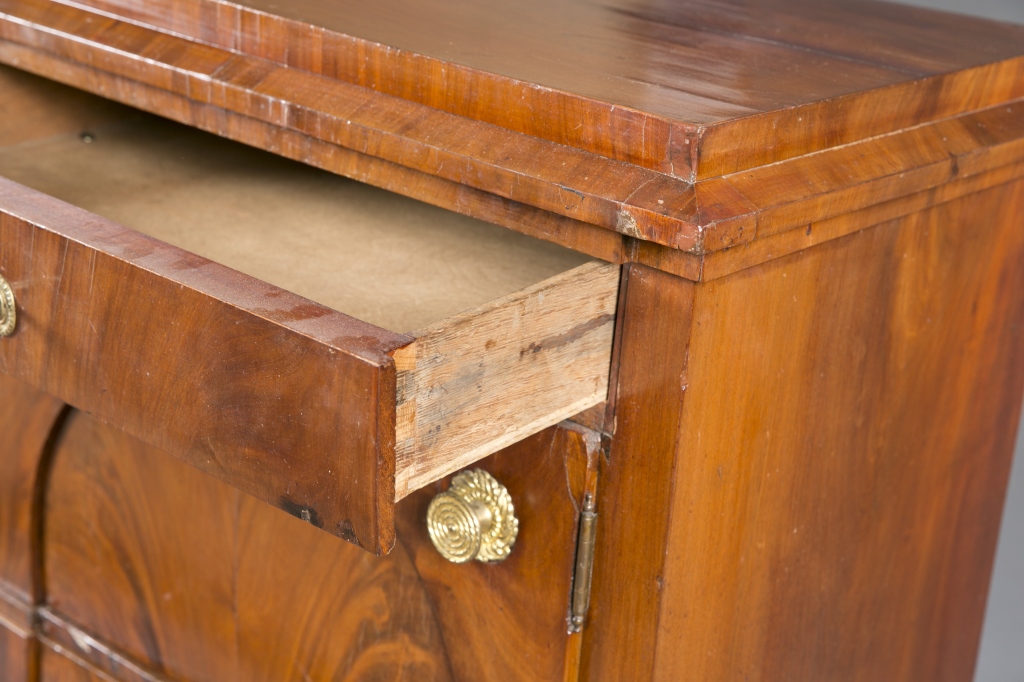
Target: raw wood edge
x: 461, y: 397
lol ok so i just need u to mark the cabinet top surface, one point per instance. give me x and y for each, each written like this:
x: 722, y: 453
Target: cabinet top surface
x: 690, y: 88
x: 695, y: 125
x: 696, y: 62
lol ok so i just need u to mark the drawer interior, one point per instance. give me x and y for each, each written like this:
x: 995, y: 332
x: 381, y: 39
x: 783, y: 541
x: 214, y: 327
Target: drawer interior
x: 510, y: 334
x: 389, y: 260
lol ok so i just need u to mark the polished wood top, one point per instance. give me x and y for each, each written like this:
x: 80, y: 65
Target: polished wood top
x: 695, y: 88
x: 699, y: 62
x: 684, y: 129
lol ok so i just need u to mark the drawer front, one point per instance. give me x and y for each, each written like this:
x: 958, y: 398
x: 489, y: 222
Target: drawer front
x: 284, y: 399
x: 194, y: 581
x: 329, y: 417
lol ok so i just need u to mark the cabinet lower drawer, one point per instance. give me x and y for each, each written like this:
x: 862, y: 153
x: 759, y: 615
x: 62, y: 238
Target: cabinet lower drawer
x: 324, y: 346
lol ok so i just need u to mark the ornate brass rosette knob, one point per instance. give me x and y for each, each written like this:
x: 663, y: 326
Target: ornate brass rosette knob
x: 8, y: 319
x: 473, y: 519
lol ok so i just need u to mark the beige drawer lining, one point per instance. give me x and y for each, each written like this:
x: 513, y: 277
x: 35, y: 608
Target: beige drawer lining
x: 383, y: 258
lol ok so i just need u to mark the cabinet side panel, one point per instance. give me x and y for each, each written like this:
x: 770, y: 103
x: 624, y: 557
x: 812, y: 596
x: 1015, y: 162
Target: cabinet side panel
x: 635, y: 491
x: 844, y: 453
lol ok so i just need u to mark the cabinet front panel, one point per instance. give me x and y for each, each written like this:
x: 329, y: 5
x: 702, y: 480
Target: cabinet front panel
x: 27, y: 419
x: 196, y: 581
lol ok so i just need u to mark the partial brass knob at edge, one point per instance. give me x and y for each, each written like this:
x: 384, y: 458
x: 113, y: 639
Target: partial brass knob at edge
x: 8, y: 315
x: 473, y: 519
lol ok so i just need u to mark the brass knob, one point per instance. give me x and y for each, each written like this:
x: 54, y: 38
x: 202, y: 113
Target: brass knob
x: 8, y: 317
x: 473, y: 519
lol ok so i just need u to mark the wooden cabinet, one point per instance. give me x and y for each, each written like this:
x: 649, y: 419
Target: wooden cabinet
x: 743, y: 280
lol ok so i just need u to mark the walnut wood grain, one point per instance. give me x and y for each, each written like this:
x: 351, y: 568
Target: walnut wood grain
x: 574, y: 234
x: 655, y: 80
x: 196, y: 581
x: 191, y: 580
x: 19, y: 647
x: 17, y: 655
x: 16, y: 612
x: 68, y: 639
x: 57, y: 664
x: 560, y: 179
x: 232, y: 375
x: 575, y: 183
x: 635, y: 489
x: 836, y: 517
x: 728, y: 261
x: 484, y: 378
x: 509, y: 621
x: 28, y: 420
x: 822, y: 484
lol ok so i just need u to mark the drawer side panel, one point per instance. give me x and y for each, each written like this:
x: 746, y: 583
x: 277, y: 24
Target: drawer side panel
x: 483, y: 380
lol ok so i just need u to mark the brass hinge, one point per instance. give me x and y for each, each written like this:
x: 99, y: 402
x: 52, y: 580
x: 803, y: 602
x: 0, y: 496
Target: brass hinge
x: 584, y: 565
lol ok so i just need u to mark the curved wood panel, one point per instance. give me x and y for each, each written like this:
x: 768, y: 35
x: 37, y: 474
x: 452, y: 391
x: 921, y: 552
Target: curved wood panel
x: 27, y: 420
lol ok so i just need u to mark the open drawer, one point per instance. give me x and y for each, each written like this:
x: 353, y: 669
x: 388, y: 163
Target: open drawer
x: 322, y: 345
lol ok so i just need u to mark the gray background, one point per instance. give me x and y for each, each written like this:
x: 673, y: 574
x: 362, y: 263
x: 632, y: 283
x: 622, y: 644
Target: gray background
x: 1002, y: 641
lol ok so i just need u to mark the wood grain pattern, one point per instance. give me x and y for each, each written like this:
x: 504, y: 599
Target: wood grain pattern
x: 69, y: 640
x: 583, y: 237
x: 16, y: 655
x: 635, y: 492
x: 59, y: 665
x: 842, y: 440
x: 728, y: 261
x: 485, y: 378
x: 197, y: 581
x: 844, y: 451
x: 476, y: 383
x: 560, y: 179
x: 16, y: 612
x: 19, y: 646
x: 194, y: 581
x: 578, y: 184
x: 655, y: 80
x: 857, y: 176
x: 27, y: 420
x: 509, y: 621
x: 232, y: 375
x: 807, y: 448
